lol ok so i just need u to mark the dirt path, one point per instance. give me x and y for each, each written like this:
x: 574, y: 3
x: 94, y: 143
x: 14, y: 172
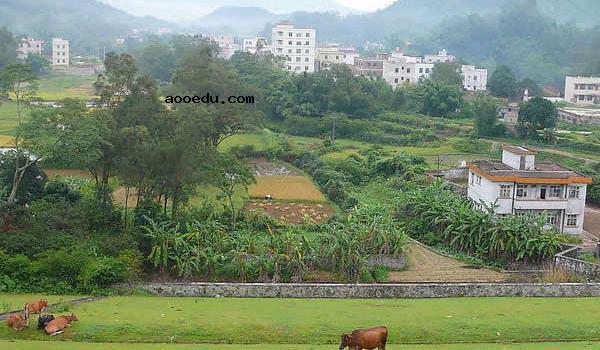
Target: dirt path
x: 425, y: 265
x: 5, y: 315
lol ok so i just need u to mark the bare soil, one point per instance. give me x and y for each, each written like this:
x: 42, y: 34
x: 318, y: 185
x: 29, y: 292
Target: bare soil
x: 292, y: 212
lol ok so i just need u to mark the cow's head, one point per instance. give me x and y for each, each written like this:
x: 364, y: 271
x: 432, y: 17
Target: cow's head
x: 345, y: 340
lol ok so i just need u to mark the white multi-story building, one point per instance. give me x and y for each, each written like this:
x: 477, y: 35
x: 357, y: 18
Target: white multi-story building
x: 227, y: 46
x: 297, y: 45
x: 400, y: 69
x: 334, y: 54
x: 442, y: 56
x: 29, y: 45
x: 519, y: 185
x: 474, y: 79
x: 582, y: 90
x: 60, y: 52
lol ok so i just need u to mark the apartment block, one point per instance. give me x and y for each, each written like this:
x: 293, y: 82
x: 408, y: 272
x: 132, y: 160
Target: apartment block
x: 29, y: 45
x: 474, y: 79
x: 520, y: 185
x: 296, y: 45
x: 582, y: 90
x: 60, y: 52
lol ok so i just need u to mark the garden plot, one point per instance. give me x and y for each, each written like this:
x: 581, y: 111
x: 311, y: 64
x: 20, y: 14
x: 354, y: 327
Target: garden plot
x: 293, y: 213
x: 293, y: 197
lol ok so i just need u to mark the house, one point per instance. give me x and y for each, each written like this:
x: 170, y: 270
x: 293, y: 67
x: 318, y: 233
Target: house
x: 442, y: 56
x: 582, y: 90
x: 474, y: 79
x: 227, y: 46
x: 370, y: 67
x: 29, y: 45
x: 297, y: 45
x: 579, y: 115
x: 60, y: 52
x: 519, y: 184
x: 509, y: 113
x: 334, y: 54
x: 255, y: 45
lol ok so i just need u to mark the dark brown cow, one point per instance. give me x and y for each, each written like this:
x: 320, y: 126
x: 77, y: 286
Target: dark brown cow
x: 370, y: 338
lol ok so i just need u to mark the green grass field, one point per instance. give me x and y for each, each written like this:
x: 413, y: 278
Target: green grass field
x: 58, y: 87
x: 8, y: 118
x: 36, y: 345
x: 320, y: 321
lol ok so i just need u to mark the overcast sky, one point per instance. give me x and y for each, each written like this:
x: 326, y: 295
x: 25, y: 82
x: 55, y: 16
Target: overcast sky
x: 187, y: 10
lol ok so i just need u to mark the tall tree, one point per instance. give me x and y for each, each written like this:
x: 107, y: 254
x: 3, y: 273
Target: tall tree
x: 447, y: 73
x: 486, y: 116
x: 18, y: 82
x: 503, y: 82
x: 39, y: 64
x: 440, y: 100
x: 534, y: 115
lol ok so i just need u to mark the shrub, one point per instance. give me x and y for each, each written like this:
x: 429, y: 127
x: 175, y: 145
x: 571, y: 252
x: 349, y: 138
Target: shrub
x: 101, y: 273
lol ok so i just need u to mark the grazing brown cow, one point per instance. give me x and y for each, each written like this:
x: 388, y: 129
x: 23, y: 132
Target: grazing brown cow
x: 37, y: 307
x: 370, y: 338
x: 17, y: 322
x: 57, y: 325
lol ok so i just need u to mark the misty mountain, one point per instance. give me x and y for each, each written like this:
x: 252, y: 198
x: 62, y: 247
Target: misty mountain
x: 245, y: 21
x: 87, y: 24
x: 190, y: 11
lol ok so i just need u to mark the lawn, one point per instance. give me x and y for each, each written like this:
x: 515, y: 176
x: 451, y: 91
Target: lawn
x: 36, y: 345
x: 57, y: 87
x: 8, y: 118
x: 298, y: 188
x: 320, y: 321
x: 11, y: 302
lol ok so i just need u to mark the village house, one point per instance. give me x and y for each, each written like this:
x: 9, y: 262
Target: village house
x: 297, y: 45
x: 334, y: 54
x: 370, y: 67
x: 519, y: 185
x: 60, y: 52
x: 582, y: 90
x: 509, y: 113
x: 29, y: 45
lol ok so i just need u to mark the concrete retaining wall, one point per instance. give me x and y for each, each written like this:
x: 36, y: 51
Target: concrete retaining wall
x: 421, y: 290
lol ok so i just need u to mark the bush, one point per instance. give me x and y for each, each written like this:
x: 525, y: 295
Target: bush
x: 101, y: 273
x: 62, y: 266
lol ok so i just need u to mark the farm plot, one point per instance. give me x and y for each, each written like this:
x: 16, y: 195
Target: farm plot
x: 293, y: 213
x: 292, y: 188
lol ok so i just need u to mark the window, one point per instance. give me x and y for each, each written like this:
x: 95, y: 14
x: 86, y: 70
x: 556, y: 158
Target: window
x: 290, y: 42
x: 505, y: 191
x: 307, y: 42
x: 420, y: 70
x: 574, y: 191
x: 299, y: 35
x: 305, y: 67
x: 521, y: 191
x: 298, y: 50
x: 280, y: 33
x: 298, y: 59
x: 550, y: 219
x: 298, y: 42
x: 396, y: 70
x: 308, y: 35
x: 426, y: 70
x: 306, y: 59
x: 475, y: 78
x: 475, y: 179
x: 407, y: 70
x: 572, y: 220
x: 290, y: 34
x: 307, y: 51
x: 395, y: 80
x: 555, y: 191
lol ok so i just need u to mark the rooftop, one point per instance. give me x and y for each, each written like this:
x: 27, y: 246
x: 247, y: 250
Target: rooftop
x: 544, y: 172
x: 518, y: 150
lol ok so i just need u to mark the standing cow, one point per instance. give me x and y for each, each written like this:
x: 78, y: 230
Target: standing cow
x: 370, y: 338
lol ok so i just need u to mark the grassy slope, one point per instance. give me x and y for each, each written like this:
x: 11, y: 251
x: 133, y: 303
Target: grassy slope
x: 320, y: 321
x: 36, y: 345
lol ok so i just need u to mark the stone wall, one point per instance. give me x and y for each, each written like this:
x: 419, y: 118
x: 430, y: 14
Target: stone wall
x: 567, y: 261
x: 418, y: 290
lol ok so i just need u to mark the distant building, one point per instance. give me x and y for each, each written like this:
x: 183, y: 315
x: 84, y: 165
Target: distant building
x: 519, y: 185
x: 442, y: 56
x: 370, y: 67
x: 474, y: 79
x: 29, y: 45
x: 255, y: 45
x: 60, y: 52
x: 227, y: 46
x: 334, y: 54
x: 509, y: 113
x: 582, y: 90
x: 296, y: 45
x: 579, y: 115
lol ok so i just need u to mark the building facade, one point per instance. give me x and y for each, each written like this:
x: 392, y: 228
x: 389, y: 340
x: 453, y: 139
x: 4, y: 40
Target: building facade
x: 442, y: 56
x: 519, y: 185
x: 474, y: 79
x: 334, y: 54
x: 582, y: 90
x: 297, y: 45
x: 369, y: 67
x: 255, y: 45
x: 509, y: 113
x: 60, y: 52
x: 29, y: 45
